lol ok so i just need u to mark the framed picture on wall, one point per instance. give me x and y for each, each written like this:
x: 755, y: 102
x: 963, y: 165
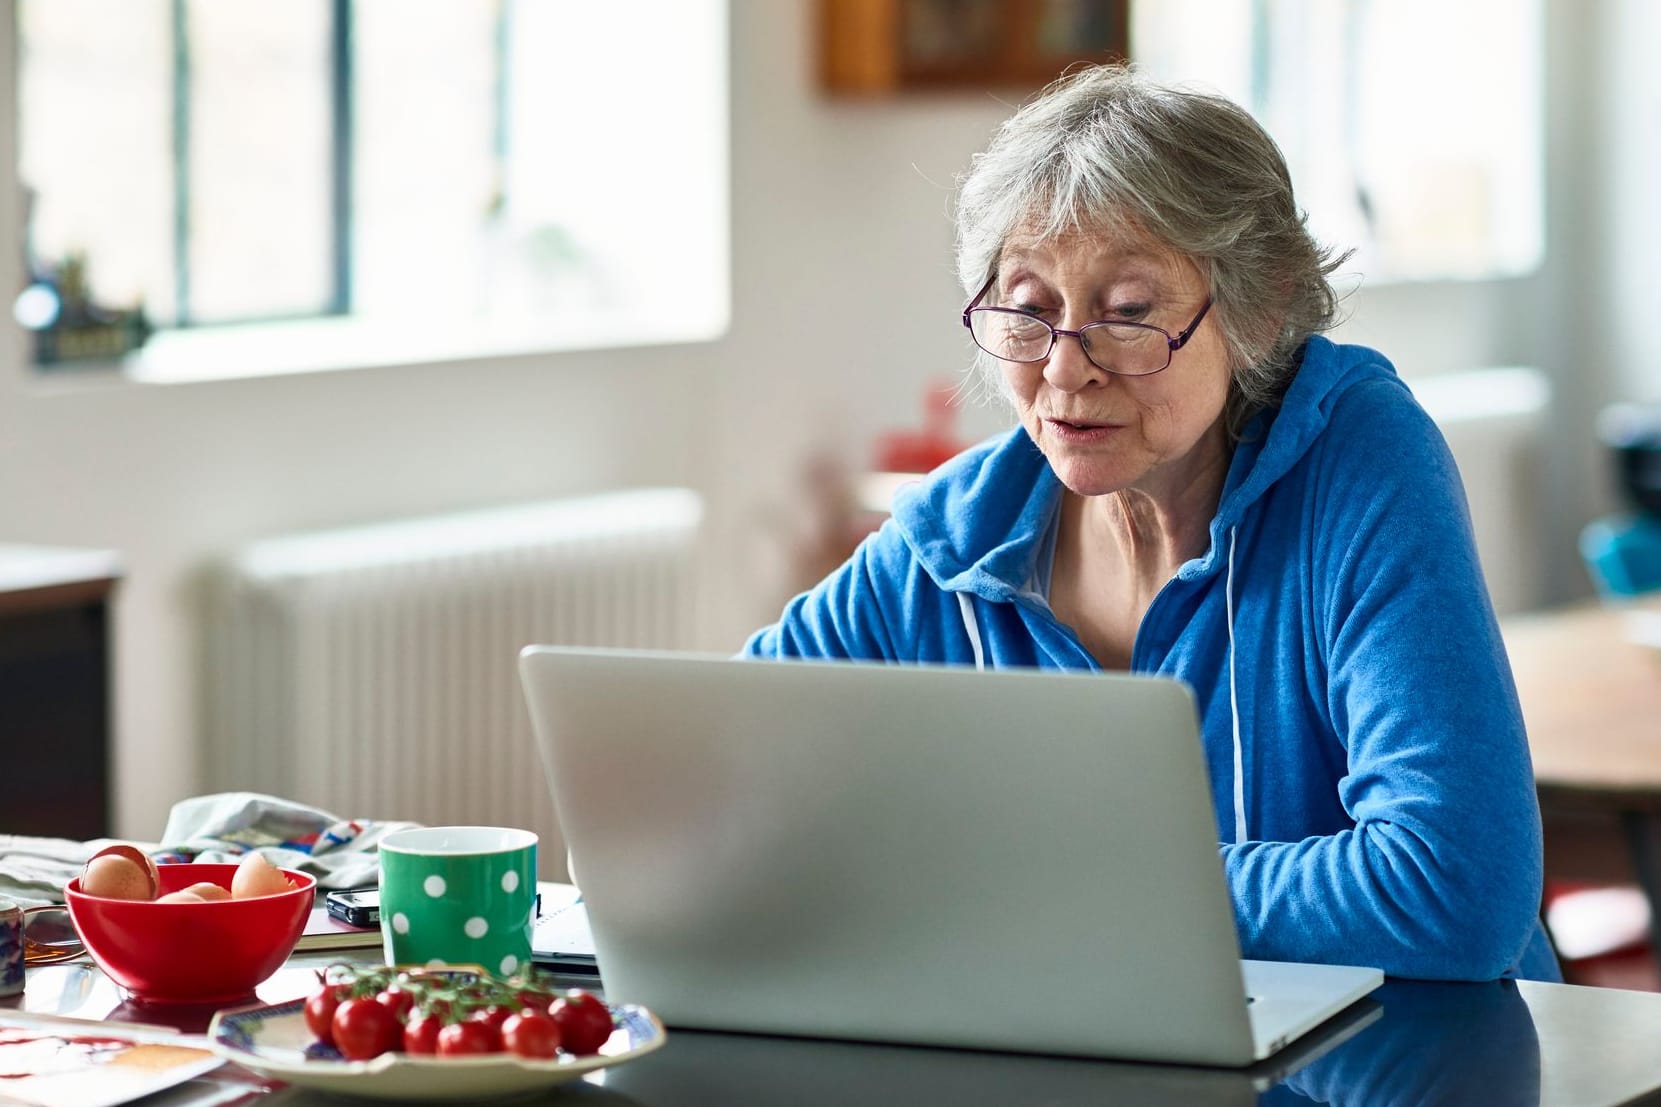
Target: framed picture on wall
x: 893, y: 46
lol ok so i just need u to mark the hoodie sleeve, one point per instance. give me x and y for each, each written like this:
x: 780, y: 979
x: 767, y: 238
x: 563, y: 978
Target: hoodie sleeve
x: 1440, y: 875
x: 854, y: 614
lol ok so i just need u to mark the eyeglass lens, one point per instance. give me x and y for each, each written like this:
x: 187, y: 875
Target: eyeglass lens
x: 1116, y: 347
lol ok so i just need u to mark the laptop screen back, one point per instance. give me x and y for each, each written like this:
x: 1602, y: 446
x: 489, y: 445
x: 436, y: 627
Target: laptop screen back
x: 1009, y: 860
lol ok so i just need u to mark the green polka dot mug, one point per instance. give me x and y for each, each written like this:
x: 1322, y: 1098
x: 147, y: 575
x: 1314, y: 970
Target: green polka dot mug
x: 458, y: 895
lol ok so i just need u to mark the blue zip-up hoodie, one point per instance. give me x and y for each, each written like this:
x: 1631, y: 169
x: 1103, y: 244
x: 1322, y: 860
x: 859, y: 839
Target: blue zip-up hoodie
x: 1369, y: 769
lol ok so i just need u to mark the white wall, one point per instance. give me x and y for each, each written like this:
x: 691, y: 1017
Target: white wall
x: 836, y: 207
x: 1624, y: 196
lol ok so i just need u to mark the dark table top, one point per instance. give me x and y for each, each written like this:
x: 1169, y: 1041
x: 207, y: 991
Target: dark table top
x: 1410, y: 1042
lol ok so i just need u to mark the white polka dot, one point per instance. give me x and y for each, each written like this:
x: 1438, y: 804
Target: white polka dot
x: 438, y: 963
x: 510, y: 964
x: 400, y: 923
x: 476, y: 927
x: 433, y: 886
x: 510, y: 880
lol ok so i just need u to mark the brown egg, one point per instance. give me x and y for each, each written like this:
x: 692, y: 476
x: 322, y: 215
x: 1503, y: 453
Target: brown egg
x: 258, y: 877
x: 207, y: 891
x: 139, y: 858
x: 113, y: 876
x: 183, y: 895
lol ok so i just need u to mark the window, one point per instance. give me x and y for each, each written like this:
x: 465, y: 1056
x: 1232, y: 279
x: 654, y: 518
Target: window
x: 1413, y: 128
x: 371, y: 179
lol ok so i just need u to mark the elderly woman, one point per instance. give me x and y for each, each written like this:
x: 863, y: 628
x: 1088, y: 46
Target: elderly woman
x: 1202, y: 487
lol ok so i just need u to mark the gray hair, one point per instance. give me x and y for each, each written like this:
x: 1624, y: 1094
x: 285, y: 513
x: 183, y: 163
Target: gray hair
x: 1107, y: 150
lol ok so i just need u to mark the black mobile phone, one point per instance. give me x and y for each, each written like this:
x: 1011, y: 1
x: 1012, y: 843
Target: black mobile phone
x: 357, y: 907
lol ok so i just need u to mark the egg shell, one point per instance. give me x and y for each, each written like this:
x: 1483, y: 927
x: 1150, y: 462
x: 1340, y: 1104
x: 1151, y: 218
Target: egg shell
x: 116, y: 877
x: 137, y: 857
x: 256, y: 876
x: 207, y: 891
x: 183, y: 895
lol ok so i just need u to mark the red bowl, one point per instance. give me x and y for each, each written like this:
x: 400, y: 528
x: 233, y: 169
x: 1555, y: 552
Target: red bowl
x: 192, y: 952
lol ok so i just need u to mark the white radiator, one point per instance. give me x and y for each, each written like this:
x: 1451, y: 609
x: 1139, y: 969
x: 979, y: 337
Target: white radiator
x: 373, y: 672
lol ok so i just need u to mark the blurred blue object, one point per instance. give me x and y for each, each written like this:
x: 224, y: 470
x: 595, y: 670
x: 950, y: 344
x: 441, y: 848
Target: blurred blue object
x: 1623, y: 554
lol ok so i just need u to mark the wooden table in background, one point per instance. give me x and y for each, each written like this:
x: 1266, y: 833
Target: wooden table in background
x: 1591, y: 697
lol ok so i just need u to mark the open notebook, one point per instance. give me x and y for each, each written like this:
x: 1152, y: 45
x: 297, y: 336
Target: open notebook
x: 561, y: 940
x: 868, y: 851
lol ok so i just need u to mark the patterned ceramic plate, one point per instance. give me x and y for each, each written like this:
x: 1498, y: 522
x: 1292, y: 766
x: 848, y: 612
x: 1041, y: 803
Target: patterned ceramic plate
x: 273, y: 1041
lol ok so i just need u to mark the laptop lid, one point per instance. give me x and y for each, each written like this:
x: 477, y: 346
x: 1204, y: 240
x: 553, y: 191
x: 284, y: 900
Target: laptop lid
x: 1017, y: 860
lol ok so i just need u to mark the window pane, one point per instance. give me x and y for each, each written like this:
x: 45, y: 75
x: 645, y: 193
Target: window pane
x: 427, y: 178
x: 487, y: 182
x: 1448, y: 116
x: 95, y: 143
x: 260, y: 163
x: 622, y: 208
x: 492, y: 184
x: 1413, y: 128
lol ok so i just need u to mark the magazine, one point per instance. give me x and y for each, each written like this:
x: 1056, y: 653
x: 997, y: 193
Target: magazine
x: 89, y: 1065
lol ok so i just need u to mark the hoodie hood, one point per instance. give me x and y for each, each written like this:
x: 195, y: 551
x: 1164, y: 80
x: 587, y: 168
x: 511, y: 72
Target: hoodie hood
x: 978, y: 523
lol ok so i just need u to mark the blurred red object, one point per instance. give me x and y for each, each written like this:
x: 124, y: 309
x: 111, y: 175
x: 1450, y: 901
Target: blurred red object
x: 919, y: 451
x: 192, y: 952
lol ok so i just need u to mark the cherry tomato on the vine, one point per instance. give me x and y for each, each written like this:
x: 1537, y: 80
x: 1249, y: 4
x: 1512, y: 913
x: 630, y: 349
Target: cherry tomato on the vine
x: 396, y: 1000
x: 583, y: 1019
x: 467, y: 1036
x: 365, y: 1029
x: 320, y: 1011
x: 421, y: 1033
x: 492, y: 1016
x: 364, y: 1011
x: 531, y: 1033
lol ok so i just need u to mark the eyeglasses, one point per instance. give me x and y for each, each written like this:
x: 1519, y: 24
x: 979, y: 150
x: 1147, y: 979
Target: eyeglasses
x: 1128, y: 349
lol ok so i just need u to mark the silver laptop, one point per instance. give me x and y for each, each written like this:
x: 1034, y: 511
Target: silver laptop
x: 1013, y: 860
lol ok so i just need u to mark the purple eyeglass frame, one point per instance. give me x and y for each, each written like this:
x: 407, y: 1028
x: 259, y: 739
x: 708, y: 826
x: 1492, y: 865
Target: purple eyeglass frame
x: 1173, y: 343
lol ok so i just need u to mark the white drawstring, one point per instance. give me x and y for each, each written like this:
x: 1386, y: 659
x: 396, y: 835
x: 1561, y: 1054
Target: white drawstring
x: 966, y: 604
x: 1234, y: 702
